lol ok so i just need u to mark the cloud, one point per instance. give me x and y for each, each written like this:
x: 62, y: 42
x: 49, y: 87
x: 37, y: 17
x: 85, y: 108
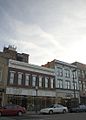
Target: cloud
x: 34, y: 33
x: 31, y: 39
x: 45, y: 29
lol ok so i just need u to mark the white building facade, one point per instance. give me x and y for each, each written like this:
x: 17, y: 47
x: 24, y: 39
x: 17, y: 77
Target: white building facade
x: 30, y: 85
x: 66, y: 79
x: 67, y: 84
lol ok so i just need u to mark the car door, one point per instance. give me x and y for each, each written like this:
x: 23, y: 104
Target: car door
x: 13, y: 108
x: 6, y: 110
x: 58, y: 108
x: 9, y: 110
x: 55, y: 109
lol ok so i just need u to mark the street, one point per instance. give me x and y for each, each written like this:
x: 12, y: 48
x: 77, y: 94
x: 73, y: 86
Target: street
x: 68, y: 116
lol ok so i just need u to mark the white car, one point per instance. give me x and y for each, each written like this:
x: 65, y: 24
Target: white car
x: 56, y: 108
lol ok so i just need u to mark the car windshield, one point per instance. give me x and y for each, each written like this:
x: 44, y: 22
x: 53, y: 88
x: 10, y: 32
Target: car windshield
x: 51, y: 106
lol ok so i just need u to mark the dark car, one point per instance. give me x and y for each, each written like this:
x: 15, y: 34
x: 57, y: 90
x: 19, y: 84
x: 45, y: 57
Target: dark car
x: 79, y: 108
x: 12, y: 109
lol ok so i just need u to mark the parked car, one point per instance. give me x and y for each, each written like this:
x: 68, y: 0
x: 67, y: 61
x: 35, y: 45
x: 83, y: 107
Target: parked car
x: 56, y: 108
x: 79, y: 108
x: 12, y: 109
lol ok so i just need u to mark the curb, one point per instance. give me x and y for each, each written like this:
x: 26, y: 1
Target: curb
x: 32, y: 113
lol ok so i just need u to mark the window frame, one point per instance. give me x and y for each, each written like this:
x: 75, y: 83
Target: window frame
x: 40, y: 81
x: 20, y: 78
x: 60, y: 83
x: 27, y: 80
x: 46, y: 82
x: 68, y: 84
x: 34, y: 80
x: 67, y: 73
x: 11, y: 77
x: 52, y: 83
x: 59, y: 71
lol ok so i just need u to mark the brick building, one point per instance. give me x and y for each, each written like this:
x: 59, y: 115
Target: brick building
x: 3, y: 79
x: 27, y: 84
x: 11, y: 53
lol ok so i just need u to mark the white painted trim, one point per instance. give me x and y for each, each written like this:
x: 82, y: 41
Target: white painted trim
x: 30, y: 92
x: 30, y: 67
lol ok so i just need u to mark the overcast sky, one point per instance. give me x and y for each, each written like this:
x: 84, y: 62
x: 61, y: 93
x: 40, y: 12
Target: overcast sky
x: 45, y: 29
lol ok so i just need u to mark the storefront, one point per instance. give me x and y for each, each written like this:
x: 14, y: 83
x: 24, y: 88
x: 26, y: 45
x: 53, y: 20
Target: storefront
x: 31, y: 102
x: 29, y: 98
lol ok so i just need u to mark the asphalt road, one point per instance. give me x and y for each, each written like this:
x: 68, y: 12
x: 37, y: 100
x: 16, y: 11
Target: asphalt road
x: 67, y: 116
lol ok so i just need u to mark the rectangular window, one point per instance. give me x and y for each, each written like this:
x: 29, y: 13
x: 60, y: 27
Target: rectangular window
x: 60, y: 83
x: 79, y: 73
x: 75, y: 85
x: 74, y: 74
x: 20, y: 78
x: 52, y: 82
x: 12, y: 77
x: 67, y: 73
x: 46, y: 82
x: 67, y: 84
x: 40, y: 81
x: 27, y: 78
x: 59, y: 72
x: 83, y: 85
x: 83, y: 74
x: 33, y: 80
x: 80, y: 86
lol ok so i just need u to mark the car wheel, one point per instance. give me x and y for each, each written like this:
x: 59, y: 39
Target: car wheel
x: 51, y: 112
x: 64, y: 111
x: 19, y: 113
x: 0, y: 114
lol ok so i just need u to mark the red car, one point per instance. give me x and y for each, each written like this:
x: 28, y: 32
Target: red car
x: 12, y: 109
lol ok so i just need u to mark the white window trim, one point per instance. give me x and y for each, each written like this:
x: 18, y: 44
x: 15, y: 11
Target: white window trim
x: 59, y: 72
x: 12, y: 77
x: 34, y: 80
x: 27, y: 80
x: 68, y: 84
x: 46, y: 82
x: 20, y: 79
x: 52, y: 82
x: 60, y: 83
x: 67, y: 73
x: 40, y: 81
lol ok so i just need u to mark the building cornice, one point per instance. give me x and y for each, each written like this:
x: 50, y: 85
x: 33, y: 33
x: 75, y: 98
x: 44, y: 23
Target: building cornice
x: 31, y: 67
x: 64, y: 63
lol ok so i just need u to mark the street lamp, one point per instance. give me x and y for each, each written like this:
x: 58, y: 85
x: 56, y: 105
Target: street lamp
x: 36, y: 97
x: 74, y: 85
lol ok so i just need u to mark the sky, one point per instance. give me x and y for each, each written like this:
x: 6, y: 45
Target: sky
x: 45, y: 29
